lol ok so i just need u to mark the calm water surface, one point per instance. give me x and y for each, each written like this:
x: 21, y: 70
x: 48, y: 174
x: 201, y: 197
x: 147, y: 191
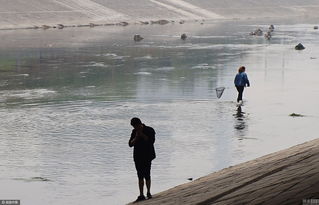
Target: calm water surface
x: 67, y: 97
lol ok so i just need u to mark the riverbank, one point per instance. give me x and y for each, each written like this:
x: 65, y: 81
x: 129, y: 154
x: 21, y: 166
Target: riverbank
x: 60, y: 14
x: 284, y: 177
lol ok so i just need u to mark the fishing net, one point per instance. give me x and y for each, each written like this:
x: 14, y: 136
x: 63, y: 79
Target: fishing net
x: 219, y: 91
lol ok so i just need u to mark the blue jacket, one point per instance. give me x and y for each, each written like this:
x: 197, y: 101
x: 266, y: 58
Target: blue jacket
x: 241, y: 79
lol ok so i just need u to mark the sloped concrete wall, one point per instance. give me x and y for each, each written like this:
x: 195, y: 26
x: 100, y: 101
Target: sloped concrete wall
x: 21, y: 13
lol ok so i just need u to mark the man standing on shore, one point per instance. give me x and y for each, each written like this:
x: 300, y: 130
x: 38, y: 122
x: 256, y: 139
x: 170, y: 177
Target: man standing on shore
x: 142, y: 139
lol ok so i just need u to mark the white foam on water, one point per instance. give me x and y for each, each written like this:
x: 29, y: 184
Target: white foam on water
x: 147, y: 57
x: 143, y: 73
x: 203, y: 66
x: 165, y: 68
x: 27, y: 94
x: 24, y: 75
x: 119, y: 57
x: 218, y: 46
x: 107, y: 54
x: 96, y: 64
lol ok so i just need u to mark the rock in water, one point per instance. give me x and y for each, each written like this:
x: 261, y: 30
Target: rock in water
x: 315, y: 27
x: 268, y: 35
x: 257, y: 32
x: 299, y: 47
x: 183, y: 36
x: 271, y: 27
x: 138, y: 37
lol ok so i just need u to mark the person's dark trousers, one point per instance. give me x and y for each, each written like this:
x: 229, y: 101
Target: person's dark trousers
x: 240, y: 90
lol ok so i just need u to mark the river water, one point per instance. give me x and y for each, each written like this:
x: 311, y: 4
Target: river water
x: 67, y: 97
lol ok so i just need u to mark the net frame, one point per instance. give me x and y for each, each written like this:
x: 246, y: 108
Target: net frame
x: 219, y: 91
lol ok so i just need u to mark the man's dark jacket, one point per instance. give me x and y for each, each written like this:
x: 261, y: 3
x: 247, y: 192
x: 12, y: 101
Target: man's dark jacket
x: 144, y: 149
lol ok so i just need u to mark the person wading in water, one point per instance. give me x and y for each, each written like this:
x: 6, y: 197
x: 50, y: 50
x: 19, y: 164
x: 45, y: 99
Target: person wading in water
x: 241, y: 80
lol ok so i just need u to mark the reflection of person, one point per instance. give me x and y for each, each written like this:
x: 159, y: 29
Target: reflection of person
x: 241, y: 80
x: 142, y: 139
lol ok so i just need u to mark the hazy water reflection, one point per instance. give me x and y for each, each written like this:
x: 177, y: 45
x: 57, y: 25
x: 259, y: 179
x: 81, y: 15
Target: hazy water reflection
x: 66, y: 99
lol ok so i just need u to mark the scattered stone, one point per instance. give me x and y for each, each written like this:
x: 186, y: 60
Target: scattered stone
x: 268, y: 35
x: 39, y: 179
x: 257, y: 32
x: 315, y: 27
x: 33, y: 179
x: 83, y: 25
x: 181, y: 22
x: 138, y: 37
x: 296, y: 115
x: 160, y: 22
x: 299, y: 47
x: 45, y: 27
x: 271, y: 28
x: 123, y: 23
x: 163, y: 22
x: 60, y: 26
x: 144, y: 22
x: 183, y: 36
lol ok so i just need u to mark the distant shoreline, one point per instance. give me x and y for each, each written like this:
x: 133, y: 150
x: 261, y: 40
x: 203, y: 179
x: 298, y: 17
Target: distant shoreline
x: 59, y: 14
x: 143, y: 23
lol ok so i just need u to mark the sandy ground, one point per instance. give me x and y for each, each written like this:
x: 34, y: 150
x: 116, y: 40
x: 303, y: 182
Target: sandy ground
x: 37, y: 13
x: 284, y: 177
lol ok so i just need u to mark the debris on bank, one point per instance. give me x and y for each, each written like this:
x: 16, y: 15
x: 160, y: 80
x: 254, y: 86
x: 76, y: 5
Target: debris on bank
x: 296, y: 115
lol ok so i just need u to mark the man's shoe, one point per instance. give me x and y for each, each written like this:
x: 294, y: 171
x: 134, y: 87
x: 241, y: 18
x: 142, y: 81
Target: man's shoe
x: 140, y: 198
x: 149, y: 195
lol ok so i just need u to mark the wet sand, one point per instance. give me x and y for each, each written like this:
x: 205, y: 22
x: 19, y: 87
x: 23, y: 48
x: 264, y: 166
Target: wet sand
x: 285, y: 177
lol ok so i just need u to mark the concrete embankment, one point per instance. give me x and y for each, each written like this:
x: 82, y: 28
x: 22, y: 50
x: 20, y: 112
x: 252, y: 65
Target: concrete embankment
x: 284, y: 177
x: 46, y: 14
